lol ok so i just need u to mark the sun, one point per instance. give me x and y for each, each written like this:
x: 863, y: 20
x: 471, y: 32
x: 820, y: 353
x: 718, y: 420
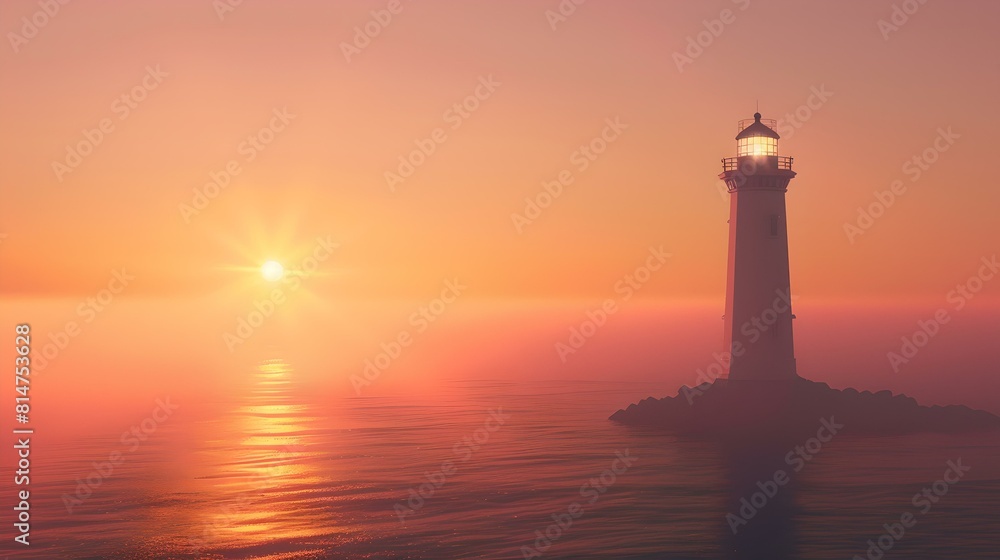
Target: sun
x: 272, y: 271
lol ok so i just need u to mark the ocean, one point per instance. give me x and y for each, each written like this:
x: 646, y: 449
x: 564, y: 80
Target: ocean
x: 487, y: 469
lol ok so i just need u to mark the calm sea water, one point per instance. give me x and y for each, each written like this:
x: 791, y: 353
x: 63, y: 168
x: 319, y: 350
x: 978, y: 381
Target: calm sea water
x: 279, y: 473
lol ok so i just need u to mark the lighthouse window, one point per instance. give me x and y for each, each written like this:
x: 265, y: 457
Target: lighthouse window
x: 756, y: 146
x: 774, y: 226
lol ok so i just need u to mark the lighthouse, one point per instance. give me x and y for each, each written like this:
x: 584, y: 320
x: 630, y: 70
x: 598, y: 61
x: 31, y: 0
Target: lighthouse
x: 758, y: 319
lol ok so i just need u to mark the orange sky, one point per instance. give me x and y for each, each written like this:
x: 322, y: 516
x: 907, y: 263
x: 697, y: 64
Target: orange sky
x: 334, y: 127
x: 324, y: 173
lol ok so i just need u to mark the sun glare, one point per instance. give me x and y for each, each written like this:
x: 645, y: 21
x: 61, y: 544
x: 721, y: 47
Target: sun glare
x: 272, y: 271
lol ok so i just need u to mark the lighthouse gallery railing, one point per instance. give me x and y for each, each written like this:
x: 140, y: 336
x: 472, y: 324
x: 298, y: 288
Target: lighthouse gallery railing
x: 749, y: 163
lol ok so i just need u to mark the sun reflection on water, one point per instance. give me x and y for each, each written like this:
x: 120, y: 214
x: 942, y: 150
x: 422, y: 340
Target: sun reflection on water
x: 263, y: 472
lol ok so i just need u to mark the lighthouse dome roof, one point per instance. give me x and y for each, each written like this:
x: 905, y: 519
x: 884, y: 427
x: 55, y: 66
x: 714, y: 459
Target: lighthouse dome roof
x: 757, y: 129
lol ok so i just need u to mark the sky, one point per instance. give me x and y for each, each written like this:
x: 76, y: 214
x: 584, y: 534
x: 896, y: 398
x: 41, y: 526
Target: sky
x: 123, y: 124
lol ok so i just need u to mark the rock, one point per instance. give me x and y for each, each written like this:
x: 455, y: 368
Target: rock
x: 727, y: 409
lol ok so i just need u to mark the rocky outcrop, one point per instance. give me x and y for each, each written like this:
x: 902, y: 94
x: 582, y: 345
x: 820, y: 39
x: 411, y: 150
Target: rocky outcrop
x: 737, y: 409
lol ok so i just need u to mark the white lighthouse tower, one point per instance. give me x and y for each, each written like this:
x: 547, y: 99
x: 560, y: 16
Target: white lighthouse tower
x: 758, y: 332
